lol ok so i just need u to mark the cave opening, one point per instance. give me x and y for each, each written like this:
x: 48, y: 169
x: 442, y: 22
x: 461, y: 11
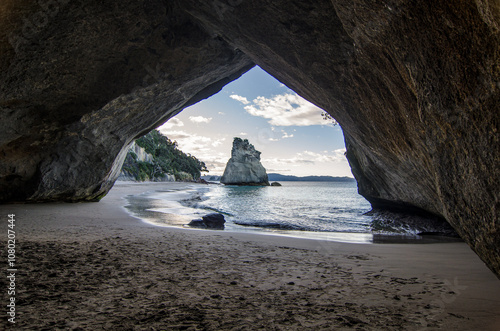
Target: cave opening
x: 301, y: 148
x: 293, y: 136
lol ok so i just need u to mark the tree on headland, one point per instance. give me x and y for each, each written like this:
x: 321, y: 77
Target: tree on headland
x: 167, y: 159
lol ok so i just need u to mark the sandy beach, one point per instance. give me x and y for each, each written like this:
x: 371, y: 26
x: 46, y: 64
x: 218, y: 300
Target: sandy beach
x: 92, y: 266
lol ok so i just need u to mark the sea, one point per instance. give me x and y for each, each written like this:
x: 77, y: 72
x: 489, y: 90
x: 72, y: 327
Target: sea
x: 315, y: 210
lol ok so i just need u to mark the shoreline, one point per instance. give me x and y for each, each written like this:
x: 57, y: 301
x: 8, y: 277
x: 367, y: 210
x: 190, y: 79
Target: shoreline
x: 175, y: 208
x: 93, y: 266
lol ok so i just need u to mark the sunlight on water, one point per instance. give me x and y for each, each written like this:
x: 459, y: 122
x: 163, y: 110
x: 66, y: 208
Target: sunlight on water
x: 315, y: 210
x: 304, y: 206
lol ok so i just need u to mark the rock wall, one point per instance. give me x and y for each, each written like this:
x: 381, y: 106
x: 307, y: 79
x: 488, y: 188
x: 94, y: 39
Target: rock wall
x: 142, y: 155
x: 244, y: 167
x: 78, y: 87
x: 414, y: 84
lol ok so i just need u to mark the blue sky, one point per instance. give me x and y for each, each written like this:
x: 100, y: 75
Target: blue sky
x: 289, y: 131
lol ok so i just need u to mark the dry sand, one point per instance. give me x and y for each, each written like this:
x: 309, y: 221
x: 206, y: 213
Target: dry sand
x: 91, y: 266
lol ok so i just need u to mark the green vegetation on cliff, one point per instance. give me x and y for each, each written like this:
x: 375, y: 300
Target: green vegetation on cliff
x: 166, y: 159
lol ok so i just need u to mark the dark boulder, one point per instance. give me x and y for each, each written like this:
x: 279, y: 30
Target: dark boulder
x: 213, y: 221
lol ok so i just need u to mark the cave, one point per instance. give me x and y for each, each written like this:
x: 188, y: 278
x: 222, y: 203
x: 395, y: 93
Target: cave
x: 414, y: 85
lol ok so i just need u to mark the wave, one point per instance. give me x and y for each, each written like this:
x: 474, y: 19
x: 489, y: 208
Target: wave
x: 216, y: 210
x: 273, y: 225
x: 386, y: 222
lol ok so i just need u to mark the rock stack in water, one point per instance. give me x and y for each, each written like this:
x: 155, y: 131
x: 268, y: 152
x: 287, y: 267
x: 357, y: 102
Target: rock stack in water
x: 244, y: 167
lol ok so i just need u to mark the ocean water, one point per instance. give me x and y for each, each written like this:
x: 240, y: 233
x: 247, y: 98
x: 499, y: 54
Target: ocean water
x: 315, y: 210
x: 300, y: 206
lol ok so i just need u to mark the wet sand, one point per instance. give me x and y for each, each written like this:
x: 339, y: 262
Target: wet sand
x: 91, y: 266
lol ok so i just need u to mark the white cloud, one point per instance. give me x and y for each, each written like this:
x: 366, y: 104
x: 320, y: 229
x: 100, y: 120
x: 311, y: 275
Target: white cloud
x: 192, y: 143
x: 221, y: 113
x: 174, y: 135
x: 200, y: 119
x: 292, y: 161
x: 243, y: 134
x: 273, y: 139
x: 218, y: 142
x: 308, y: 157
x: 173, y: 122
x: 239, y: 98
x: 286, y: 110
x: 336, y: 156
x: 286, y: 135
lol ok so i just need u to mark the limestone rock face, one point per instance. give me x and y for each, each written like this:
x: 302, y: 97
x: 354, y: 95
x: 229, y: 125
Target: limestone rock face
x: 415, y: 86
x: 141, y: 153
x: 77, y: 88
x: 244, y: 167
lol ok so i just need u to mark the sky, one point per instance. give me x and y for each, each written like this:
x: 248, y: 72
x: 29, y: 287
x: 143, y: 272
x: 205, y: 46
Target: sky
x: 289, y: 131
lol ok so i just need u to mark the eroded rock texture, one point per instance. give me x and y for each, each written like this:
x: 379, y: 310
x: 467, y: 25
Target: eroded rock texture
x: 78, y: 89
x: 244, y: 167
x: 414, y: 85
